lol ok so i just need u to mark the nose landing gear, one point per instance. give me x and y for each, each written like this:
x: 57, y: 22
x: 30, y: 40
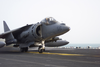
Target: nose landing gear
x: 41, y: 48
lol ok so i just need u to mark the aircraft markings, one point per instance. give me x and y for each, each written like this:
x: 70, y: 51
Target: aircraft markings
x: 65, y: 54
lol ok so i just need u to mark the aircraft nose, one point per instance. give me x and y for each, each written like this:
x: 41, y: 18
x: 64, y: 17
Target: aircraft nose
x: 65, y: 28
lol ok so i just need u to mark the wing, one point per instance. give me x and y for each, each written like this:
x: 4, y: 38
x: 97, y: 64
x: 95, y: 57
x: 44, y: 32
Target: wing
x: 15, y: 32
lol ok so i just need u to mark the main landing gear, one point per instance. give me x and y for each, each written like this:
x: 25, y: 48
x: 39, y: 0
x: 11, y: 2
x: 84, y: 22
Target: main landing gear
x: 41, y: 48
x: 25, y: 49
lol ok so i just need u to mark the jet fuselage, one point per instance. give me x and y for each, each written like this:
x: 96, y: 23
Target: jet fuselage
x: 41, y: 34
x: 43, y: 31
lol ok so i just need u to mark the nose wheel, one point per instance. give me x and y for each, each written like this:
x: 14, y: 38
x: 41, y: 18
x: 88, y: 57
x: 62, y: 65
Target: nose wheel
x: 41, y: 48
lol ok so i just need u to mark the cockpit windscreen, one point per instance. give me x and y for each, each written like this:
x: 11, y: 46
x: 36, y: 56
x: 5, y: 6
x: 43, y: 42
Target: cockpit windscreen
x: 49, y: 21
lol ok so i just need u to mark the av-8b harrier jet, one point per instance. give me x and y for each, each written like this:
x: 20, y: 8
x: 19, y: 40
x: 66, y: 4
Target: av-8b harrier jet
x: 39, y: 35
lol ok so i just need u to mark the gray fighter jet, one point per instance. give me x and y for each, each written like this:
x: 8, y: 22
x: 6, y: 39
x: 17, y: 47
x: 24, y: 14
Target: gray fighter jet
x: 41, y: 34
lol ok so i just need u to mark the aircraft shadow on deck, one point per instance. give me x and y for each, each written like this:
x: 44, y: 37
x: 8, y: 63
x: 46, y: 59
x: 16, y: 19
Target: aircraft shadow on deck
x: 11, y: 50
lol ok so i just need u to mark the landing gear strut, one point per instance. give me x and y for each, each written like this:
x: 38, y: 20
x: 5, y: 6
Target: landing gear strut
x: 41, y: 48
x: 25, y: 49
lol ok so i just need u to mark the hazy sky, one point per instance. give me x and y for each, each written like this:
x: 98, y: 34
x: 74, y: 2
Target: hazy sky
x: 82, y: 16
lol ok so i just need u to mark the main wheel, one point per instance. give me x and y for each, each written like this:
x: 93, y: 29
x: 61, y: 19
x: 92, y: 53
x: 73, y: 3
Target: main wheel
x: 22, y: 49
x: 26, y: 49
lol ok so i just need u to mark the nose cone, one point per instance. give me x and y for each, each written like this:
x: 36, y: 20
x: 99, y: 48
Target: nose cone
x: 65, y: 28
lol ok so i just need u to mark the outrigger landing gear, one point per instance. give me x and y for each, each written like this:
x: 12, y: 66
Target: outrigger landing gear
x: 25, y: 49
x: 41, y: 48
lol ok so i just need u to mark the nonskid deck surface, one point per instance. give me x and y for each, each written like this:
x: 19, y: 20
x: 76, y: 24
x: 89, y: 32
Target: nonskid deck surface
x: 52, y: 57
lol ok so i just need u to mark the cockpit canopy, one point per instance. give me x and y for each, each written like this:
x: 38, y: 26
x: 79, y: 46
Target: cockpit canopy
x: 49, y: 21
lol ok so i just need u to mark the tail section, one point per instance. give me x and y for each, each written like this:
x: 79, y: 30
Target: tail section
x: 9, y: 38
x: 6, y: 28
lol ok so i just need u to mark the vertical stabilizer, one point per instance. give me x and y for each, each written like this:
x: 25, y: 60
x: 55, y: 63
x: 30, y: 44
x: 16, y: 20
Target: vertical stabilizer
x: 9, y: 37
x: 6, y: 28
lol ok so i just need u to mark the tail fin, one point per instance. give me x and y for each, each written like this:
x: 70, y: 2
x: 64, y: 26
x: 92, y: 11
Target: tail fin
x: 6, y: 28
x: 9, y: 38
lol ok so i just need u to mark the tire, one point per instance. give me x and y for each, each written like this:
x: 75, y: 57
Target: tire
x: 41, y: 51
x: 26, y: 49
x: 22, y: 49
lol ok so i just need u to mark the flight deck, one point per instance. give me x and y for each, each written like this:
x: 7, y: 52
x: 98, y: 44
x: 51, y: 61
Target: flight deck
x: 52, y: 57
